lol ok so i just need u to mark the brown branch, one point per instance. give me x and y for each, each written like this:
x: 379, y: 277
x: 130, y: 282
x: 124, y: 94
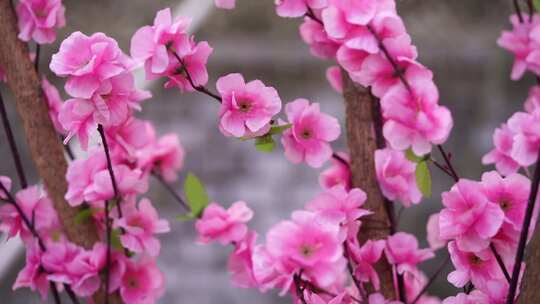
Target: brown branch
x: 361, y: 117
x: 43, y: 142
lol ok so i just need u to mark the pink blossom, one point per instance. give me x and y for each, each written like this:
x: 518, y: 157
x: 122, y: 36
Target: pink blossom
x: 365, y: 258
x: 338, y: 174
x: 36, y: 205
x: 519, y: 42
x: 6, y: 182
x: 313, y: 298
x: 413, y: 117
x: 85, y: 270
x: 240, y: 262
x: 224, y: 226
x: 475, y: 297
x: 477, y: 267
x: 150, y: 44
x: 415, y: 281
x: 76, y: 117
x: 469, y: 216
x: 80, y: 175
x: 39, y: 19
x: 142, y: 282
x: 501, y: 155
x: 57, y: 258
x: 333, y: 75
x: 402, y: 250
x: 314, y: 34
x: 297, y: 8
x: 88, y: 61
x: 310, y: 243
x: 32, y: 275
x: 433, y: 234
x: 533, y: 100
x: 225, y: 4
x: 54, y: 103
x: 396, y: 176
x: 165, y: 156
x: 511, y: 193
x: 245, y: 107
x: 141, y: 225
x: 339, y: 204
x: 526, y: 129
x: 131, y: 139
x: 506, y: 242
x: 308, y: 138
x: 193, y: 63
x: 130, y: 182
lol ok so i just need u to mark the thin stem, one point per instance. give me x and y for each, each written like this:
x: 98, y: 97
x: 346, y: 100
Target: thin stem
x: 299, y: 289
x: 524, y: 233
x: 500, y: 262
x: 200, y: 88
x: 169, y: 189
x: 54, y: 291
x: 350, y: 268
x: 518, y: 11
x: 110, y: 169
x: 432, y: 279
x: 442, y: 168
x: 12, y: 145
x: 71, y: 294
x: 68, y: 150
x: 340, y: 159
x: 449, y: 165
x: 530, y: 5
x: 36, y: 61
x: 311, y: 14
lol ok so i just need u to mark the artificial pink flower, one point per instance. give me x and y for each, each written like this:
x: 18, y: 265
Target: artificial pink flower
x: 338, y: 174
x: 533, y: 100
x: 151, y: 44
x: 365, y: 258
x: 32, y: 275
x: 193, y: 63
x: 297, y: 8
x: 308, y: 242
x: 6, y: 182
x: 88, y: 61
x: 520, y: 42
x: 501, y: 155
x: 478, y: 267
x: 334, y: 77
x: 246, y: 107
x: 396, y: 176
x: 54, y: 103
x: 80, y: 175
x: 225, y: 4
x: 308, y: 138
x: 433, y: 234
x: 313, y: 298
x: 314, y: 34
x: 511, y: 193
x: 240, y: 262
x: 85, y: 270
x: 526, y: 129
x: 506, y: 242
x: 130, y: 182
x: 475, y: 297
x: 131, y: 139
x: 272, y: 272
x: 142, y: 282
x: 39, y: 19
x: 77, y: 118
x: 165, y: 157
x: 36, y: 206
x: 140, y: 226
x: 339, y: 204
x: 57, y: 258
x: 469, y: 217
x: 402, y: 250
x: 224, y: 226
x: 413, y: 117
x: 415, y: 281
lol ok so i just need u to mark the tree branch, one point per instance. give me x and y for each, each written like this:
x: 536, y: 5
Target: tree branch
x: 362, y: 116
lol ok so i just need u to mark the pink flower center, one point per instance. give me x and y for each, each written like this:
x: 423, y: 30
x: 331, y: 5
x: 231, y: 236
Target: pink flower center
x: 306, y: 134
x: 132, y: 283
x: 307, y: 250
x: 244, y: 105
x: 136, y: 222
x: 474, y: 260
x: 505, y: 205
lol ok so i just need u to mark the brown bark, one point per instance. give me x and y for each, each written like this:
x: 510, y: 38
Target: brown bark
x: 530, y: 292
x: 363, y: 120
x: 43, y: 142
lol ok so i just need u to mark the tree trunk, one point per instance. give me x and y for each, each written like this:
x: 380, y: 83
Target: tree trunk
x: 43, y: 141
x: 530, y: 292
x: 364, y: 135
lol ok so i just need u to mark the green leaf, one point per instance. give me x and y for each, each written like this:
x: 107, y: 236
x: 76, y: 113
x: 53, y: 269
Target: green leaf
x: 279, y: 129
x: 537, y: 5
x: 265, y: 144
x: 85, y: 214
x: 196, y: 195
x: 412, y: 157
x: 115, y: 239
x: 186, y: 217
x: 423, y: 178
